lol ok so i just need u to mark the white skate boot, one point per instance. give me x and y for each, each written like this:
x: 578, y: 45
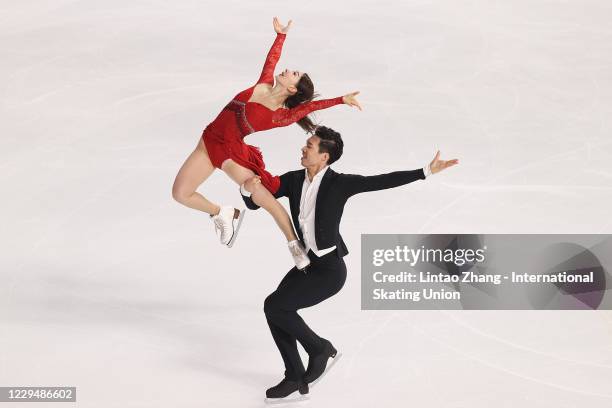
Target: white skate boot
x: 227, y: 224
x: 300, y: 257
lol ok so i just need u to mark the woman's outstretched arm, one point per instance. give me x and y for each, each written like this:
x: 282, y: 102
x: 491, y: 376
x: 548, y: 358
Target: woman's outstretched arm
x: 285, y: 117
x: 267, y: 73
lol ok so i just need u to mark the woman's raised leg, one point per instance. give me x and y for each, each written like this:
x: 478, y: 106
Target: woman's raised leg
x: 196, y: 169
x: 262, y: 197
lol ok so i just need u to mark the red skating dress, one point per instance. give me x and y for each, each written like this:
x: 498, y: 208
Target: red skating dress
x: 224, y: 136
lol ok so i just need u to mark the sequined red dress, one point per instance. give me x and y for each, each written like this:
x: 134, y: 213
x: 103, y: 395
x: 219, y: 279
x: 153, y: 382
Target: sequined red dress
x: 224, y: 136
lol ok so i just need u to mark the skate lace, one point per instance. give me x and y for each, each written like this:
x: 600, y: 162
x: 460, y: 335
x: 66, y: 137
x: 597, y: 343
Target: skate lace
x: 220, y: 227
x: 295, y: 250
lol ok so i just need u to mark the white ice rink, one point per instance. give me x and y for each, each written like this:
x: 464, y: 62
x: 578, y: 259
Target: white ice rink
x: 109, y: 285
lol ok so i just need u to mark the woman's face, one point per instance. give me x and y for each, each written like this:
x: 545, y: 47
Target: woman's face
x: 289, y: 79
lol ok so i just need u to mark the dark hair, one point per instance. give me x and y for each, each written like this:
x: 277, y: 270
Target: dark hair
x: 305, y: 93
x: 330, y: 143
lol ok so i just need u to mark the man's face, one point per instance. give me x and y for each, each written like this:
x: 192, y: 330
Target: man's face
x: 310, y: 153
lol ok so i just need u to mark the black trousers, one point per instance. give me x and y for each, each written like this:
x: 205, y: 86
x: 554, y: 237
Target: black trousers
x: 324, y: 278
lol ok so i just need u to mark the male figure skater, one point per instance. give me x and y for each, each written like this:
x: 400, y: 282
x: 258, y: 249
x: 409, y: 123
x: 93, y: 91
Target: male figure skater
x: 317, y: 196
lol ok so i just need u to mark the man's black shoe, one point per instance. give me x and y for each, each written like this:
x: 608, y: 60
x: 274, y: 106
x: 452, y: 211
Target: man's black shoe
x: 287, y: 387
x: 317, y: 363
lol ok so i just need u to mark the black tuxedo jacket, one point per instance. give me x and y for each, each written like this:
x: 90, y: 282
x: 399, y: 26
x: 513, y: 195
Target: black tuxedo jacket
x: 334, y: 191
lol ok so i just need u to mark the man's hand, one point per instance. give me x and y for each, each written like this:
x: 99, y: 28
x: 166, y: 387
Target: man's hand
x: 438, y: 165
x: 279, y: 28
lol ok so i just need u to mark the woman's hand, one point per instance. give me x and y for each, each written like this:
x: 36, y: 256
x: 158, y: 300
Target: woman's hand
x: 350, y: 99
x: 279, y: 28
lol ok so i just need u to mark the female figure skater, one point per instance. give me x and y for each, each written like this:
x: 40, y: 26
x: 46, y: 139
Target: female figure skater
x: 265, y: 105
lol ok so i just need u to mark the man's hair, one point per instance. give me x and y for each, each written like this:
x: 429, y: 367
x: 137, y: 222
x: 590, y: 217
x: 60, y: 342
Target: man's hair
x: 330, y: 143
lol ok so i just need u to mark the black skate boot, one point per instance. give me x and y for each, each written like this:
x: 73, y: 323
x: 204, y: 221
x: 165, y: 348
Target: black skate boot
x: 280, y: 392
x: 317, y: 364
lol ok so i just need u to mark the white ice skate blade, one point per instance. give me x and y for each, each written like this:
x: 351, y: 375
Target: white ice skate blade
x: 235, y: 234
x: 287, y: 400
x: 327, y: 369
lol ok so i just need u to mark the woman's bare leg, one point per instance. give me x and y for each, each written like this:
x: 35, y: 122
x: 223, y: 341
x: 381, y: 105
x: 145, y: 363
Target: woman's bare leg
x: 196, y: 169
x: 262, y: 197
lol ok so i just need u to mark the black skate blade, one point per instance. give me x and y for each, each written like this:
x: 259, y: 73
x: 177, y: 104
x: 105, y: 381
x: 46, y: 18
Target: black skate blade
x: 327, y: 369
x: 287, y: 400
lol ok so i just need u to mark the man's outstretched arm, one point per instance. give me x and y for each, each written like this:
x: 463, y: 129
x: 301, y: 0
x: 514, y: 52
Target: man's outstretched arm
x: 356, y: 184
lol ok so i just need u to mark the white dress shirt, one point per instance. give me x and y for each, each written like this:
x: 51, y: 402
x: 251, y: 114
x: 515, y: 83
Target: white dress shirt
x: 308, y: 202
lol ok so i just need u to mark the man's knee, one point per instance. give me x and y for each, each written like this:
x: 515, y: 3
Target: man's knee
x: 273, y: 305
x: 269, y: 304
